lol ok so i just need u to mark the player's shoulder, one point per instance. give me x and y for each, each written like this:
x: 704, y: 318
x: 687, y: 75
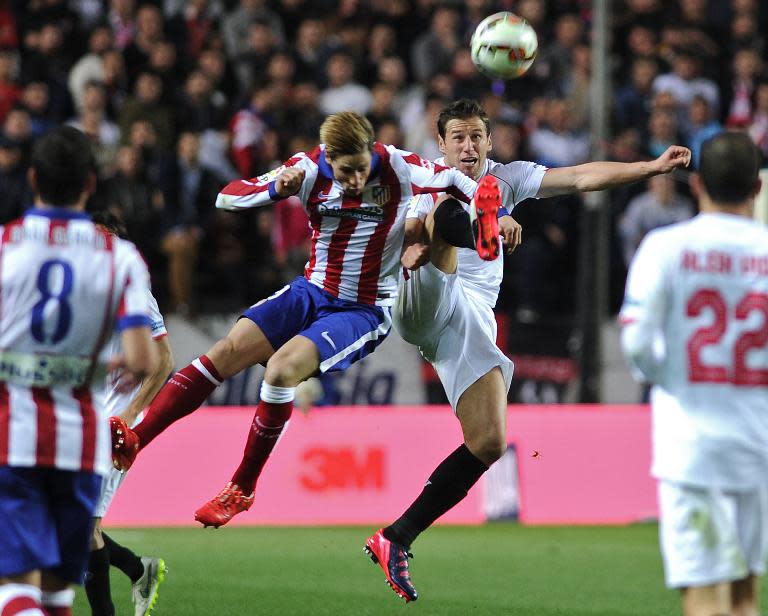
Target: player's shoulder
x: 516, y: 170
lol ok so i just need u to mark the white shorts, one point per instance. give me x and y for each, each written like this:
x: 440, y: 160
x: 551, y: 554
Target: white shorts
x: 109, y: 485
x: 710, y: 536
x: 454, y: 332
x: 111, y: 482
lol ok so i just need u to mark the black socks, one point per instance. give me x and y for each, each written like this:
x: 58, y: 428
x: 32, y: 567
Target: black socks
x: 453, y: 225
x: 447, y: 486
x: 122, y: 558
x: 97, y: 584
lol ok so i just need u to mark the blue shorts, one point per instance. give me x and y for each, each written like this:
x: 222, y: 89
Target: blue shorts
x: 46, y: 520
x: 342, y: 331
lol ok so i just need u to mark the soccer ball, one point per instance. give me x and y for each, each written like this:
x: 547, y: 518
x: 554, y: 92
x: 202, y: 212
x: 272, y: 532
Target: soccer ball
x: 504, y: 46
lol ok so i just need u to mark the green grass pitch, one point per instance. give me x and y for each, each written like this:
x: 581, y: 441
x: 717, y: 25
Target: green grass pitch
x: 496, y: 569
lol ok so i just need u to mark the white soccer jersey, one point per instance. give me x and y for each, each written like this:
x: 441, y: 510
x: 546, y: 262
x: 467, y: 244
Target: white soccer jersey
x: 695, y: 322
x: 356, y: 241
x: 114, y: 401
x: 518, y: 181
x: 64, y: 286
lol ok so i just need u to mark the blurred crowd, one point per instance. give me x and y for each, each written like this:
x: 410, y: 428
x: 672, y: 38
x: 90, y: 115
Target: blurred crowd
x: 181, y: 96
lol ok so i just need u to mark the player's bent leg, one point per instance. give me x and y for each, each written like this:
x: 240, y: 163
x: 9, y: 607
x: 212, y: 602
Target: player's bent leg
x: 245, y: 345
x: 482, y: 412
x: 440, y: 223
x: 295, y: 361
x: 711, y: 600
x: 745, y: 597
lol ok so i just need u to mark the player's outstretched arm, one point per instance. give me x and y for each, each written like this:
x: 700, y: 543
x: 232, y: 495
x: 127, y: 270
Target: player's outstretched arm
x: 605, y: 174
x: 265, y: 189
x: 152, y: 383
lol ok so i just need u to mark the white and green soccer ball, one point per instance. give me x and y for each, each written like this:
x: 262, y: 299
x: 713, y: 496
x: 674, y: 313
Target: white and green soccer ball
x: 504, y: 46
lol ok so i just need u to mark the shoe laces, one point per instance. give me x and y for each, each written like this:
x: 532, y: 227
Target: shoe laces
x: 232, y: 494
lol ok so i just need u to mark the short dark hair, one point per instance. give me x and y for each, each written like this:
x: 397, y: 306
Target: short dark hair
x: 62, y: 161
x: 729, y: 167
x: 462, y: 109
x: 111, y: 222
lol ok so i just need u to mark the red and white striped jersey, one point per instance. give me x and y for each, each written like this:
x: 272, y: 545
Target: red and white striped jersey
x: 695, y: 324
x: 356, y: 241
x: 64, y: 287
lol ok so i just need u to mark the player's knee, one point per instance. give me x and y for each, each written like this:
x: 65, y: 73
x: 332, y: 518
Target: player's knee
x: 488, y: 447
x: 283, y: 371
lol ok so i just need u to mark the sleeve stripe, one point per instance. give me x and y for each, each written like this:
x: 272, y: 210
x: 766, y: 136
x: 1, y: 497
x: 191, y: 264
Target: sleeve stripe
x: 132, y: 321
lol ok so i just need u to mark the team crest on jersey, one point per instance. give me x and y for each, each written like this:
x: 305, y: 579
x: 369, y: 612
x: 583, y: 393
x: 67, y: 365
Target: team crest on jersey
x: 380, y: 195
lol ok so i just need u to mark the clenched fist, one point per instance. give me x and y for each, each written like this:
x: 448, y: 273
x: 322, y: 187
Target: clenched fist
x: 289, y: 181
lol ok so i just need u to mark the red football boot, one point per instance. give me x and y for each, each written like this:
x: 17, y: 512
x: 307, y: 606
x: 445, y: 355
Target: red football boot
x: 483, y: 214
x: 393, y: 559
x: 125, y: 444
x: 224, y: 506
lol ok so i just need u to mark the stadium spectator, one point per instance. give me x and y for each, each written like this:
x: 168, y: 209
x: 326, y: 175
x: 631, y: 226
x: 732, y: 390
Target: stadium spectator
x: 343, y: 92
x: 236, y: 26
x: 261, y: 43
x: 188, y: 190
x: 689, y: 283
x: 701, y: 126
x: 90, y: 66
x: 10, y: 92
x: 122, y: 20
x: 684, y: 81
x: 147, y: 104
x: 556, y: 144
x: 148, y: 33
x: 16, y: 193
x: 747, y: 70
x: 434, y: 49
x: 659, y: 206
x: 758, y: 127
x: 633, y: 100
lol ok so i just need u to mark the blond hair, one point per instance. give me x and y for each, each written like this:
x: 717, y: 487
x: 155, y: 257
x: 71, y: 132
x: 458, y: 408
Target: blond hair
x: 345, y: 133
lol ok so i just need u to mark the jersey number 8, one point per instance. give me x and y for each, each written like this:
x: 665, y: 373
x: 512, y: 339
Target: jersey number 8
x: 64, y: 313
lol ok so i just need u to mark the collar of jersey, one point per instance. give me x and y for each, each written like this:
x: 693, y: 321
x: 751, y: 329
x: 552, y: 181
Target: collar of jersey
x: 58, y: 213
x: 327, y: 171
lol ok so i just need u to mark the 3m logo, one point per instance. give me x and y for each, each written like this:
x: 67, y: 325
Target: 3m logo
x: 343, y: 468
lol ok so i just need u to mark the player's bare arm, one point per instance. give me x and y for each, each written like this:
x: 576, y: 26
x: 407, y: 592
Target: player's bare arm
x: 289, y: 181
x: 605, y: 174
x: 139, y: 353
x: 152, y: 383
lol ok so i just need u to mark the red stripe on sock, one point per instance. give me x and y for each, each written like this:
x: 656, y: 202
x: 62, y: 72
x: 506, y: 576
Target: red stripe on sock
x: 210, y: 367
